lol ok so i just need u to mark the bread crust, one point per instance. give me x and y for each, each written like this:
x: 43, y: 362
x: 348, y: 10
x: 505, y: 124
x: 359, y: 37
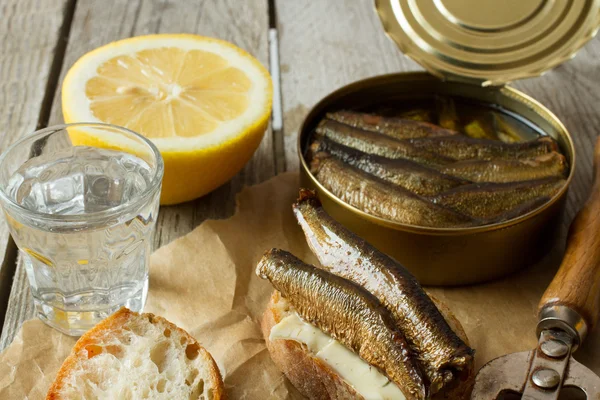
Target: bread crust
x: 313, y: 378
x: 316, y: 380
x: 114, y: 323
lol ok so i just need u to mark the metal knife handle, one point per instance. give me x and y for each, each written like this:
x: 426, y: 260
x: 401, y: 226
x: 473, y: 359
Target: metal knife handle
x: 574, y: 294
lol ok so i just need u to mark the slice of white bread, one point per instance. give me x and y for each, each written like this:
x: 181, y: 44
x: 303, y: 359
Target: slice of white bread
x: 314, y: 378
x: 131, y: 356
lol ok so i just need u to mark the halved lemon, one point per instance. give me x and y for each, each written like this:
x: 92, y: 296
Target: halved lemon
x: 204, y: 102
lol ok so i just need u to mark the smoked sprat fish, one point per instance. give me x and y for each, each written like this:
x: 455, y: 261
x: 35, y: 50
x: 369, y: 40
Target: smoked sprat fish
x: 490, y: 201
x: 522, y: 209
x: 443, y: 355
x: 396, y: 128
x: 380, y: 198
x: 378, y: 144
x: 411, y: 176
x: 459, y: 147
x: 392, y: 168
x: 499, y: 171
x: 348, y: 313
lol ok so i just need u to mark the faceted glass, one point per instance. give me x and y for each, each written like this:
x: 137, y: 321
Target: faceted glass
x: 81, y: 202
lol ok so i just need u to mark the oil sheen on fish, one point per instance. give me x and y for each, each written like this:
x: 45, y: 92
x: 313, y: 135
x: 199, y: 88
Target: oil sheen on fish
x: 397, y: 128
x: 522, y: 209
x: 375, y: 143
x: 416, y: 114
x: 377, y: 197
x: 448, y: 117
x: 461, y: 147
x: 411, y: 176
x: 490, y: 201
x: 348, y: 313
x: 506, y: 129
x: 499, y: 171
x: 443, y: 355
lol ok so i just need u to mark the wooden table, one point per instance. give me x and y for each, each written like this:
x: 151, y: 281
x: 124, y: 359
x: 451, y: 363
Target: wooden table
x: 323, y: 44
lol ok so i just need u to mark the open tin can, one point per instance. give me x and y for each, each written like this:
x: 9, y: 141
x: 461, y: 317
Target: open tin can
x: 471, y: 54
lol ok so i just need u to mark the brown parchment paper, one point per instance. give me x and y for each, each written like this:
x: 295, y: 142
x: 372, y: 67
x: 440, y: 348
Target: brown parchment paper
x: 205, y: 283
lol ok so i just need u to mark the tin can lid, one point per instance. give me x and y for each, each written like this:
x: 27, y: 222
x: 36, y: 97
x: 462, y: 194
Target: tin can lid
x: 489, y: 42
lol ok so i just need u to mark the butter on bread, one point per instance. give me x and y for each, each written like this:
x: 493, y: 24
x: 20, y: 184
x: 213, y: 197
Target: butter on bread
x: 314, y: 378
x: 137, y: 356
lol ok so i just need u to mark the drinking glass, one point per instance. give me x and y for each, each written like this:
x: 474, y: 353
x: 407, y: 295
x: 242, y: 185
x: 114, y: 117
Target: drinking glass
x: 81, y: 202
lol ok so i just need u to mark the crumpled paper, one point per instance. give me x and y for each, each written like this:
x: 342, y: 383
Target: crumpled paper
x: 205, y: 283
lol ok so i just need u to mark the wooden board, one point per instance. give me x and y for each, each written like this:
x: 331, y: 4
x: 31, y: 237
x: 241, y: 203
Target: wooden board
x: 323, y: 45
x: 99, y: 22
x: 30, y: 32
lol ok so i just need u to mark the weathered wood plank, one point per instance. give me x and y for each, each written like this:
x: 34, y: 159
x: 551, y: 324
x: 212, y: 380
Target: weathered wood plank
x: 30, y: 32
x: 324, y: 45
x: 96, y: 23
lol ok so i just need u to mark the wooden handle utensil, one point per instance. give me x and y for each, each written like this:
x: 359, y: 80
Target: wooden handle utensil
x: 568, y: 309
x: 577, y: 282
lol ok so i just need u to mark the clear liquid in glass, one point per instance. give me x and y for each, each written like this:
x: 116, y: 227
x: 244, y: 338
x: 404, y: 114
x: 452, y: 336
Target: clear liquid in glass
x: 82, y: 272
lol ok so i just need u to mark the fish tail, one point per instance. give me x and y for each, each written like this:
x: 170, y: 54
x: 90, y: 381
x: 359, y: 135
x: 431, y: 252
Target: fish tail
x: 308, y: 196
